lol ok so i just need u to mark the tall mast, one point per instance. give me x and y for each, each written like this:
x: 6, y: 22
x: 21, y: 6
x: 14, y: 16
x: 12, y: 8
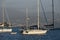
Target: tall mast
x: 3, y: 10
x: 27, y: 19
x: 38, y: 11
x: 53, y: 12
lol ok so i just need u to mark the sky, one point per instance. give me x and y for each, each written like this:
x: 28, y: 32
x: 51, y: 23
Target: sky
x: 16, y: 10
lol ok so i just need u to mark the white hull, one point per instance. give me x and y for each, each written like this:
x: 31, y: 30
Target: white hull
x: 13, y: 32
x: 41, y: 32
x: 5, y: 30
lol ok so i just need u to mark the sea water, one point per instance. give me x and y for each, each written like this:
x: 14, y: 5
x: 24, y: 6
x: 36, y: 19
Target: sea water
x: 50, y: 35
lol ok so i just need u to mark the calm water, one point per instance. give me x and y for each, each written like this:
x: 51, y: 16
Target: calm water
x: 51, y: 35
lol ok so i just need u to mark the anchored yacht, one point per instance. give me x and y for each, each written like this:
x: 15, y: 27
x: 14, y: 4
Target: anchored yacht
x: 34, y: 31
x: 4, y: 27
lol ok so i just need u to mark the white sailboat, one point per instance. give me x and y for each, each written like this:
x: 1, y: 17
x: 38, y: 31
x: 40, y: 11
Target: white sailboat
x: 34, y: 31
x: 4, y: 27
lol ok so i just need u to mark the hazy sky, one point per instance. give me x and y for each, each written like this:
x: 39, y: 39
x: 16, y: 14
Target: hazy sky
x: 16, y: 9
x: 31, y: 4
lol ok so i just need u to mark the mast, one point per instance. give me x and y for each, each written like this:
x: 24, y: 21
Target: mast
x: 38, y: 12
x: 27, y: 19
x: 3, y: 11
x: 53, y: 12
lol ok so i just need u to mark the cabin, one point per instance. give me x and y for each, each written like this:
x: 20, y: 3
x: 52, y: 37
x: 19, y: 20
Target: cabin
x: 33, y: 27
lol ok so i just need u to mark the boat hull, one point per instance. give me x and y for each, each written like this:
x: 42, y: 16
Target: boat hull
x: 41, y: 32
x: 5, y: 30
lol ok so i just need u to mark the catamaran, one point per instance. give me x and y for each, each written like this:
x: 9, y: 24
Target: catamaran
x: 34, y: 31
x: 4, y: 27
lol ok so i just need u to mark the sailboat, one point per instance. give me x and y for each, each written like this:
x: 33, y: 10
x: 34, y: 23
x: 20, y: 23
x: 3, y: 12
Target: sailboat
x: 34, y: 31
x: 4, y: 27
x: 51, y: 26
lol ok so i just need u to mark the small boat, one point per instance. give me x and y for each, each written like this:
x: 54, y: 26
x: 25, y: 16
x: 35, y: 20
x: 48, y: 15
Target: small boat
x: 4, y: 27
x: 13, y: 33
